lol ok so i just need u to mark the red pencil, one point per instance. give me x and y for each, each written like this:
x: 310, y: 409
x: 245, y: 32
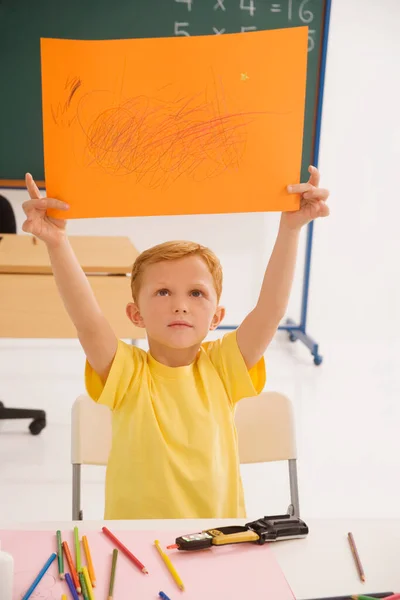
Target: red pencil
x: 125, y: 550
x: 72, y: 569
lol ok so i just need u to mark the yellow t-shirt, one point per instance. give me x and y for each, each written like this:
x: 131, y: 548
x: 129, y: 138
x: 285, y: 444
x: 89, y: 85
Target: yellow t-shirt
x: 174, y: 448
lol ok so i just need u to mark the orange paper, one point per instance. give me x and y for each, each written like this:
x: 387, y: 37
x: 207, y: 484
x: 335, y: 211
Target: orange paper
x: 167, y: 126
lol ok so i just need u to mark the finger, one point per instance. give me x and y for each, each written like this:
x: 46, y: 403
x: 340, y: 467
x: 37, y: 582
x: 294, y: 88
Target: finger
x: 26, y: 226
x: 31, y: 186
x: 31, y: 206
x: 299, y: 188
x: 314, y: 176
x: 324, y: 210
x: 57, y: 204
x: 43, y: 204
x: 316, y: 194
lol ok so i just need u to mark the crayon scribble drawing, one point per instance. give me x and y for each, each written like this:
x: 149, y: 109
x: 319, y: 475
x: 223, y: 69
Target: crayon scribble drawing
x: 157, y: 141
x: 63, y: 112
x: 162, y: 126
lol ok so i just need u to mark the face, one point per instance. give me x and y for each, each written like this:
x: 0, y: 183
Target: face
x: 177, y: 303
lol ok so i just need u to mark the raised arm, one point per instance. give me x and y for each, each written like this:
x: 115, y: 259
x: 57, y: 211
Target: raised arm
x: 259, y: 327
x: 94, y: 332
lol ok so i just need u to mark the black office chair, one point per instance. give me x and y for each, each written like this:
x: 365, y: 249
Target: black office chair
x: 8, y: 225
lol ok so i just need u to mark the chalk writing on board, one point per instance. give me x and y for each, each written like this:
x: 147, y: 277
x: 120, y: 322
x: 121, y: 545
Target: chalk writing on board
x: 305, y: 15
x: 220, y: 5
x: 248, y: 5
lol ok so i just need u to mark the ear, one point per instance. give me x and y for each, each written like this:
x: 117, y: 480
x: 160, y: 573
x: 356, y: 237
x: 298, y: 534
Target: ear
x: 217, y: 318
x: 133, y: 313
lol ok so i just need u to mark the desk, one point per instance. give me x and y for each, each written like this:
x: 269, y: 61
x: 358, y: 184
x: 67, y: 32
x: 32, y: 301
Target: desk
x: 30, y: 306
x: 318, y: 566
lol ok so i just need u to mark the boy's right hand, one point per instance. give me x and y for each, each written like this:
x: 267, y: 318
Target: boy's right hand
x: 38, y: 223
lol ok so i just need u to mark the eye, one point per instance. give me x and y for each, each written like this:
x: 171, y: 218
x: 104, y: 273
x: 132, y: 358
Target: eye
x: 163, y: 292
x: 196, y: 293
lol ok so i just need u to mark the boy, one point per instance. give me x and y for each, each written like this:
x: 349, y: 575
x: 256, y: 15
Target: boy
x: 174, y: 449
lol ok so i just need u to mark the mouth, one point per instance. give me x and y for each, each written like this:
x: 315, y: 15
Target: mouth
x: 180, y: 325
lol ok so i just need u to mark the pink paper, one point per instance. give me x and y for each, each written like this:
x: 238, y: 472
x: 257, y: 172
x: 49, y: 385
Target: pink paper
x: 230, y: 572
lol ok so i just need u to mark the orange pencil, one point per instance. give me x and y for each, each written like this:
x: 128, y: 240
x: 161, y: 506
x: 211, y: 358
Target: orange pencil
x: 356, y: 556
x: 72, y: 569
x: 89, y: 560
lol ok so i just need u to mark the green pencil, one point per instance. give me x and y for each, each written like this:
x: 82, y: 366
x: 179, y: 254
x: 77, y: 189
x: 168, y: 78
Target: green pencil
x: 358, y: 597
x: 83, y: 586
x: 77, y: 550
x: 60, y: 555
x: 112, y: 576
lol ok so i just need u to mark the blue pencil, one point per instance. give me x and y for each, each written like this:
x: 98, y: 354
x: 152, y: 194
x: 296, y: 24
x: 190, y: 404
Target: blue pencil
x: 163, y: 596
x: 39, y: 577
x: 71, y: 586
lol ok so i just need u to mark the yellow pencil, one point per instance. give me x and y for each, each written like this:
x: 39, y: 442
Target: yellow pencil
x: 88, y: 583
x: 89, y: 560
x: 63, y: 597
x: 169, y: 566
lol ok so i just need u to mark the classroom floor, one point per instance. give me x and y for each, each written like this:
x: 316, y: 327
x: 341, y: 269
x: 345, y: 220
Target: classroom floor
x: 347, y: 414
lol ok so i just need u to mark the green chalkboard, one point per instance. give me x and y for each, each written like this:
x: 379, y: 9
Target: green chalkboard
x: 24, y: 22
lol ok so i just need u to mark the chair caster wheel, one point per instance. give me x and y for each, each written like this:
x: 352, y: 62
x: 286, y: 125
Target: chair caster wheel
x: 317, y: 360
x: 36, y: 426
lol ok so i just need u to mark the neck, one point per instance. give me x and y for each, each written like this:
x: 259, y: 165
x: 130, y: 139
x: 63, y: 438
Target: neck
x: 173, y: 357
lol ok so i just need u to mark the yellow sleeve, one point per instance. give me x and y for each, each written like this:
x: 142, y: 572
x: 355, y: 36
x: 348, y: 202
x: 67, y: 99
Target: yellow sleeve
x: 125, y: 371
x: 239, y: 381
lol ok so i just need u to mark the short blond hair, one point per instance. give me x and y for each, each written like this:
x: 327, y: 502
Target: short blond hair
x: 174, y: 251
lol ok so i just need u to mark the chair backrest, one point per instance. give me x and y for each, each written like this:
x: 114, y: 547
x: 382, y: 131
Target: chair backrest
x: 91, y: 432
x: 265, y: 426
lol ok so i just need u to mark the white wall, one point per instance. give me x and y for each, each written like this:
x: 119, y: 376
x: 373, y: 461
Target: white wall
x: 355, y: 278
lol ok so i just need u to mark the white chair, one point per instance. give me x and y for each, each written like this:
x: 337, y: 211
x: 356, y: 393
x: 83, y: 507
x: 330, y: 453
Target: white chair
x: 265, y: 426
x: 266, y: 433
x: 91, y: 434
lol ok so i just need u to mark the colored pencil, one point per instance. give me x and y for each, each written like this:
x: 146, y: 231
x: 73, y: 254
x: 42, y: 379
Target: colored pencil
x: 71, y: 565
x: 82, y: 581
x: 112, y: 574
x: 169, y: 565
x: 63, y: 597
x: 163, y: 596
x: 376, y: 596
x: 125, y: 550
x: 77, y: 551
x: 89, y: 561
x: 356, y: 556
x: 364, y: 597
x: 88, y: 583
x: 71, y: 586
x: 60, y: 555
x: 38, y: 579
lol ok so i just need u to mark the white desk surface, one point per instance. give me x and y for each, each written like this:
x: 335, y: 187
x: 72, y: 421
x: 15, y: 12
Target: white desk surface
x: 316, y: 567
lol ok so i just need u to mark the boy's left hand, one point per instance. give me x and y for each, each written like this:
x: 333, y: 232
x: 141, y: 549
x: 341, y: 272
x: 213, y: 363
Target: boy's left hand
x: 312, y: 203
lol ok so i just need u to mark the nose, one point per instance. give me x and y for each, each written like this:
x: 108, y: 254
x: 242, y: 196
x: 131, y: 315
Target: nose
x: 180, y: 310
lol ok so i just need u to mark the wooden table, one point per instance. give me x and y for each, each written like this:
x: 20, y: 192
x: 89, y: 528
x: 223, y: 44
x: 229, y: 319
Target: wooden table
x: 30, y: 306
x: 316, y: 567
